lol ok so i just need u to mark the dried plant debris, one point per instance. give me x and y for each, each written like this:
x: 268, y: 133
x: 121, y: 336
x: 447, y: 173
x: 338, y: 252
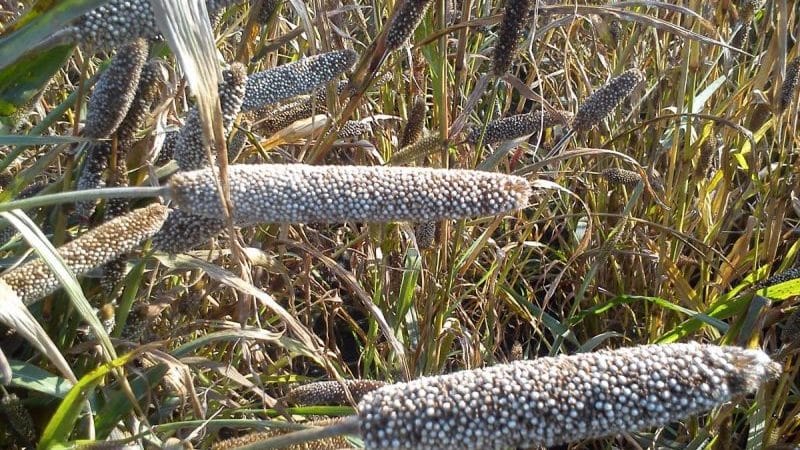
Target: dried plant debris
x: 415, y: 125
x: 183, y: 231
x: 34, y: 280
x: 557, y: 400
x: 418, y: 149
x: 514, y: 18
x: 513, y: 127
x: 617, y: 176
x: 425, y: 234
x: 406, y: 19
x: 331, y: 392
x: 147, y: 92
x: 298, y: 193
x: 190, y: 151
x: 604, y: 100
x: 92, y: 175
x: 789, y: 87
x: 119, y: 22
x: 786, y: 275
x: 115, y: 90
x: 19, y: 418
x: 290, y: 80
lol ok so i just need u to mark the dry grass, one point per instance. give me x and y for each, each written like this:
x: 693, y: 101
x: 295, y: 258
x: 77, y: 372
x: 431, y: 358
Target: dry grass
x: 587, y: 265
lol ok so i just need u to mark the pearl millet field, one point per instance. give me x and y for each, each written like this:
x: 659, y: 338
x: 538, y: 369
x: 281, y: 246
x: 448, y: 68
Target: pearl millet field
x: 399, y: 224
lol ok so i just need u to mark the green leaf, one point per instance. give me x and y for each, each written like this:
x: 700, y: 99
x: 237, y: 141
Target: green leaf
x: 63, y: 421
x: 33, y: 378
x: 22, y: 81
x: 118, y: 404
x: 781, y: 291
x: 43, y: 21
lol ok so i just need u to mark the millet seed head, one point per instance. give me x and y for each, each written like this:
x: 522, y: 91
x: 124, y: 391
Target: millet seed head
x: 300, y: 77
x: 183, y: 231
x: 298, y: 193
x: 354, y: 128
x: 425, y: 234
x: 118, y: 22
x: 415, y: 124
x: 789, y: 87
x: 146, y: 94
x: 34, y: 279
x: 332, y: 443
x: 419, y: 149
x: 603, y: 101
x: 168, y: 148
x: 705, y: 160
x: 190, y: 151
x: 19, y: 418
x: 513, y: 127
x: 331, y: 392
x: 791, y: 328
x: 557, y: 400
x: 406, y: 18
x: 115, y: 90
x: 91, y: 175
x: 786, y: 275
x: 617, y: 176
x: 514, y: 18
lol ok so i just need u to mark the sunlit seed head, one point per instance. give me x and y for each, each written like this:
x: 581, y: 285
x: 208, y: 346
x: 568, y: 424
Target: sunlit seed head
x: 788, y: 274
x: 290, y: 80
x: 92, y: 175
x: 419, y: 149
x: 604, y: 100
x: 331, y: 392
x: 190, y: 150
x: 298, y: 193
x: 516, y: 126
x: 425, y: 234
x: 34, y: 280
x: 115, y: 90
x: 146, y: 94
x: 559, y: 400
x: 405, y: 20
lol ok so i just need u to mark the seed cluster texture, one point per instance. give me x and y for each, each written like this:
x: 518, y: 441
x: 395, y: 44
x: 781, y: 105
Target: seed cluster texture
x: 146, y: 94
x: 514, y: 18
x: 293, y: 79
x: 425, y: 233
x: 420, y: 148
x: 182, y: 232
x: 115, y: 90
x: 624, y: 177
x: 789, y: 87
x: 415, y: 125
x: 121, y: 21
x: 406, y: 19
x: 34, y: 280
x: 91, y: 175
x: 298, y: 193
x: 331, y: 392
x: 786, y: 275
x: 604, y: 100
x: 513, y: 127
x: 557, y: 400
x: 190, y: 151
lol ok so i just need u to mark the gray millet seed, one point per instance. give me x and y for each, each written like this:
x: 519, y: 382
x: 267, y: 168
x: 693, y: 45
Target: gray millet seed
x: 624, y: 177
x: 290, y: 80
x: 298, y: 193
x: 190, y: 150
x: 512, y: 127
x: 34, y: 280
x: 331, y: 392
x: 786, y: 275
x: 91, y: 175
x: 603, y: 101
x: 405, y: 20
x: 415, y: 125
x: 115, y: 90
x: 789, y: 86
x: 425, y: 234
x: 514, y: 18
x: 183, y: 231
x: 557, y: 400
